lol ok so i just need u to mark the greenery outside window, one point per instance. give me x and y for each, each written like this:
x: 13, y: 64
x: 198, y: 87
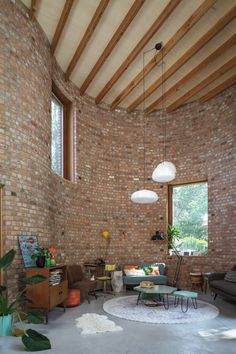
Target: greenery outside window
x: 61, y: 135
x: 188, y: 211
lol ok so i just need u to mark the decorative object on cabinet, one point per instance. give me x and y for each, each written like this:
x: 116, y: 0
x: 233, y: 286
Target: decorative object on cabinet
x: 28, y: 245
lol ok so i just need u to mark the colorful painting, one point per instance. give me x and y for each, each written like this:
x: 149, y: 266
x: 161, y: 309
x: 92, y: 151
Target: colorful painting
x: 28, y: 246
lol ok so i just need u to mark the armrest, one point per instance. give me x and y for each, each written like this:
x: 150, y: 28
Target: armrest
x: 216, y: 276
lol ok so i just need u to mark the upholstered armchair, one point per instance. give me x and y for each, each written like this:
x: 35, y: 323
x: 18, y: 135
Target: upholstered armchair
x: 78, y: 280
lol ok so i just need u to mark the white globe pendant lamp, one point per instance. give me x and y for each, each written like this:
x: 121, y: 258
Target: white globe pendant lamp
x: 165, y: 171
x: 144, y: 196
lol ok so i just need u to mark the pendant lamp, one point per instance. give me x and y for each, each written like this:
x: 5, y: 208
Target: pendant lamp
x: 144, y: 196
x: 165, y: 171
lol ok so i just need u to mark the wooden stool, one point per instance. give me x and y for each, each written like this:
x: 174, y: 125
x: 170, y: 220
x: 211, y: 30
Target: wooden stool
x: 196, y: 280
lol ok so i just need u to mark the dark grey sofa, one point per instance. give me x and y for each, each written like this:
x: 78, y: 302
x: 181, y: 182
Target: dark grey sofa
x: 219, y: 286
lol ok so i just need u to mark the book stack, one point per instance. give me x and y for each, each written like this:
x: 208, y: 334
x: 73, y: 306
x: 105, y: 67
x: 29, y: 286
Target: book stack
x: 55, y: 276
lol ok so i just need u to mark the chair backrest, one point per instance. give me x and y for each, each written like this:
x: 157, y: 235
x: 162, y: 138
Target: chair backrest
x: 110, y: 267
x: 75, y: 273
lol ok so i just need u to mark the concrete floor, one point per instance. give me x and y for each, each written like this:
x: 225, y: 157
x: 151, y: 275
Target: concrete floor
x: 216, y: 336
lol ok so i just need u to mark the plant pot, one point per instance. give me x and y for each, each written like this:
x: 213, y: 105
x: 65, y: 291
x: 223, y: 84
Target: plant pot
x: 40, y: 262
x: 5, y: 325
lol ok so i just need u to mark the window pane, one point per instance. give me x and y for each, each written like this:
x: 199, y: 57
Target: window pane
x: 57, y: 136
x: 190, y: 216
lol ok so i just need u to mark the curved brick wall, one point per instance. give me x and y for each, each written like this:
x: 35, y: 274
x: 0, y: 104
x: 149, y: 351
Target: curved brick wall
x: 109, y: 161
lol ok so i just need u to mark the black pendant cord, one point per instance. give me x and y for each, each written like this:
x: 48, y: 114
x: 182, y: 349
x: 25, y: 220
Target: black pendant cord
x: 144, y: 124
x: 163, y: 100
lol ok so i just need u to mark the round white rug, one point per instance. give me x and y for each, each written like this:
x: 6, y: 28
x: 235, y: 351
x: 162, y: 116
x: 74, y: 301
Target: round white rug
x: 125, y: 307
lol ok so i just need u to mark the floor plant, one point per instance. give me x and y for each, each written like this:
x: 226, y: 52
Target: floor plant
x: 33, y: 340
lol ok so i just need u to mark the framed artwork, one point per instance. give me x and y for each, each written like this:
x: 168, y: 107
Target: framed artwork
x: 28, y: 246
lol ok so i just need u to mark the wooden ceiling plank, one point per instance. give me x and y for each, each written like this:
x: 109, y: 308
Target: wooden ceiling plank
x: 221, y: 23
x: 212, y: 77
x: 191, y: 21
x: 33, y: 8
x: 224, y: 85
x: 141, y: 44
x: 112, y: 43
x: 87, y: 35
x: 220, y: 50
x: 61, y: 24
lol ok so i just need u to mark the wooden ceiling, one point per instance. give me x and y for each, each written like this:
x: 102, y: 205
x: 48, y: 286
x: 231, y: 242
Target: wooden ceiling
x: 100, y: 46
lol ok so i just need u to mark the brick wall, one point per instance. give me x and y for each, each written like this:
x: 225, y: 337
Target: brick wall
x: 109, y: 164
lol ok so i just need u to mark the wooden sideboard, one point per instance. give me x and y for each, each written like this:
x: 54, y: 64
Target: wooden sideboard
x: 51, y: 292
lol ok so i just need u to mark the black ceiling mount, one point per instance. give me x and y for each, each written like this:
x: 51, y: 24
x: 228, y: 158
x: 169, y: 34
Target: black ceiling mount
x: 158, y: 46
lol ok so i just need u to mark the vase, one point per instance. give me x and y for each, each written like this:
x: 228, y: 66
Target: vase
x: 5, y: 325
x: 40, y: 262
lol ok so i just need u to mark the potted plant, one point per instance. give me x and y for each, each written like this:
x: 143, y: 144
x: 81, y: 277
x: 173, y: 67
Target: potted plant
x: 173, y: 234
x: 33, y: 340
x: 41, y: 257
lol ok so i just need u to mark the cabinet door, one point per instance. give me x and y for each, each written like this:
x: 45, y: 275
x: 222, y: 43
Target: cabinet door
x: 58, y: 293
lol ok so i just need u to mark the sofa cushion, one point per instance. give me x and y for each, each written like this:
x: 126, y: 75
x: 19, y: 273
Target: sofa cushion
x: 225, y: 286
x: 160, y: 279
x: 130, y: 266
x: 134, y: 272
x: 147, y: 270
x: 231, y: 276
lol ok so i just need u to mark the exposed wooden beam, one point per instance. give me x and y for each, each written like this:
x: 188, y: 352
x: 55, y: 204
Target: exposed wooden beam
x: 221, y: 23
x: 191, y: 21
x: 133, y: 54
x: 61, y: 24
x: 215, y: 75
x: 221, y: 87
x: 87, y: 35
x: 33, y: 8
x: 226, y: 45
x: 112, y: 43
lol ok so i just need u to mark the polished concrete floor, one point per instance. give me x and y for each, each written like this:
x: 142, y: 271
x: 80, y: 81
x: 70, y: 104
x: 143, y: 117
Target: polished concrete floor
x: 215, y: 336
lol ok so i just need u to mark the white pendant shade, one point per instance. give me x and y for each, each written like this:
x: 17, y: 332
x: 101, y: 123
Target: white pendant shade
x: 144, y: 196
x: 164, y: 172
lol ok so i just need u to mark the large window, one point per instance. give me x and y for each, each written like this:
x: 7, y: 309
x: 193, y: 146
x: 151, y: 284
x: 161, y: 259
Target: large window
x: 61, y: 135
x: 188, y: 211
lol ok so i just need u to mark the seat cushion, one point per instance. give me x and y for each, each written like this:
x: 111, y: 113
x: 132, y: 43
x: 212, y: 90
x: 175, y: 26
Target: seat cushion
x: 225, y: 286
x: 156, y: 279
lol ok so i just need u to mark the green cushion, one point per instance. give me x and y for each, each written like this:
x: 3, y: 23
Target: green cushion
x: 189, y: 294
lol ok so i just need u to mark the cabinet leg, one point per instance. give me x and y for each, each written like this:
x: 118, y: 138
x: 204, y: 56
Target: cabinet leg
x: 46, y: 317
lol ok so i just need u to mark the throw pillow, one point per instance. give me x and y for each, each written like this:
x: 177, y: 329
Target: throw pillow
x: 231, y: 276
x: 134, y: 272
x: 128, y: 267
x: 155, y: 270
x: 147, y: 270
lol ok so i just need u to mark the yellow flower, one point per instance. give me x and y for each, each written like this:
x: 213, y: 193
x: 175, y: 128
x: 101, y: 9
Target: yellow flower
x: 105, y: 234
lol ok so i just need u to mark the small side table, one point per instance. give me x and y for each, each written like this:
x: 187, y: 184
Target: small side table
x: 196, y: 280
x: 206, y: 281
x: 185, y: 295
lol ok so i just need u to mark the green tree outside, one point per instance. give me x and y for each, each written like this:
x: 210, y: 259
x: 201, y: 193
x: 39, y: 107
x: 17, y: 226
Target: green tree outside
x: 190, y: 215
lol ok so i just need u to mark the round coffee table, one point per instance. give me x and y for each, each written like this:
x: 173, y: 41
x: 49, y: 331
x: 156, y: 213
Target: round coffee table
x: 157, y: 293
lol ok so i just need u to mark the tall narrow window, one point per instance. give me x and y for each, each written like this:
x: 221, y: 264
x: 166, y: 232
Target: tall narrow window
x: 188, y: 211
x: 62, y: 145
x: 57, y: 135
